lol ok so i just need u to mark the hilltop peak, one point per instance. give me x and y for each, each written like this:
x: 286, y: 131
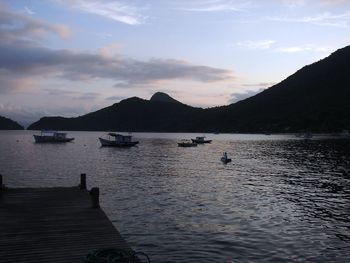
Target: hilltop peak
x: 8, y: 124
x: 163, y: 97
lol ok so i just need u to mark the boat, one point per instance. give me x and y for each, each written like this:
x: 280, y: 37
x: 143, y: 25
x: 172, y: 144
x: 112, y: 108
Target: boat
x: 186, y: 143
x: 52, y: 136
x: 201, y: 140
x: 225, y: 159
x: 118, y: 141
x: 306, y: 135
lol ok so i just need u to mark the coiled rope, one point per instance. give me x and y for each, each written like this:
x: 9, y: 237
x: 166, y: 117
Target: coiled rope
x: 113, y: 255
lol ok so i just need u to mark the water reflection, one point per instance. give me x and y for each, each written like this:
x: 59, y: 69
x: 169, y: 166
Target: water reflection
x: 280, y: 200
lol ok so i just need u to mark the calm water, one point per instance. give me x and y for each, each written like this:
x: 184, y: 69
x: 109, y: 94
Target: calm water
x: 281, y: 199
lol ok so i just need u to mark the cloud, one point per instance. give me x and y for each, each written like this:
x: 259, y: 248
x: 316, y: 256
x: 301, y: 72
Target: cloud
x: 235, y: 97
x: 324, y: 19
x: 28, y: 115
x: 15, y: 27
x: 252, y: 89
x: 72, y: 94
x: 260, y: 84
x: 258, y: 44
x: 110, y: 50
x: 120, y: 11
x: 332, y: 2
x: 10, y: 81
x: 22, y: 115
x: 29, y: 11
x: 83, y: 66
x: 271, y: 44
x: 104, y: 35
x: 303, y: 48
x: 88, y: 96
x: 116, y: 98
x: 215, y: 6
x: 294, y: 3
x: 300, y: 3
x: 23, y: 59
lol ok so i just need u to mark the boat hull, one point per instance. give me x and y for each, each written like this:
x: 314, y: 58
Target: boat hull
x: 201, y: 141
x: 225, y: 160
x: 109, y: 143
x: 44, y: 138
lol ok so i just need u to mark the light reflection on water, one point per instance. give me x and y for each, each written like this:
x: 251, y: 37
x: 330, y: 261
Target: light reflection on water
x: 281, y: 199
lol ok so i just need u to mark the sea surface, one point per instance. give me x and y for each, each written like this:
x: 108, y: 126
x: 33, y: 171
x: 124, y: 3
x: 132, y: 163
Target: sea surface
x: 281, y: 199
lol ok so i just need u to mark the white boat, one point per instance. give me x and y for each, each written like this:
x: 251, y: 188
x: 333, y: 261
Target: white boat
x: 52, y: 136
x: 225, y: 159
x: 200, y: 140
x: 118, y: 140
x: 306, y: 135
x: 186, y: 143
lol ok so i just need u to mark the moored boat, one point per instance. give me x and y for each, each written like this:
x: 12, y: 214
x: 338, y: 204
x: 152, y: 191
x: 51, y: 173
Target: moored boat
x: 186, y: 143
x: 200, y: 140
x: 118, y: 141
x: 306, y: 135
x: 52, y: 136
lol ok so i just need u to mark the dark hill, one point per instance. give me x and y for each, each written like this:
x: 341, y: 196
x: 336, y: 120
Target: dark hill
x: 133, y: 114
x: 8, y: 124
x: 316, y: 98
x: 163, y: 97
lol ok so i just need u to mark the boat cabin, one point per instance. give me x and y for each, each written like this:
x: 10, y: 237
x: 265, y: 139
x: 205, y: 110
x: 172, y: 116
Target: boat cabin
x: 60, y: 135
x: 120, y: 137
x: 55, y: 134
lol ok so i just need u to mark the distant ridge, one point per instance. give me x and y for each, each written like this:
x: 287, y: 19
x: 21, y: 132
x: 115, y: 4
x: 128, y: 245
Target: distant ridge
x: 315, y: 98
x: 163, y: 97
x: 133, y: 114
x: 8, y: 124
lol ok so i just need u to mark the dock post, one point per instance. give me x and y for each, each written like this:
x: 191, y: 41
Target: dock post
x: 82, y: 181
x: 95, y: 197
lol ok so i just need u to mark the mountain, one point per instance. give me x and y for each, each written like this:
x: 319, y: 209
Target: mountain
x: 315, y: 98
x: 133, y: 114
x: 8, y: 124
x: 163, y: 97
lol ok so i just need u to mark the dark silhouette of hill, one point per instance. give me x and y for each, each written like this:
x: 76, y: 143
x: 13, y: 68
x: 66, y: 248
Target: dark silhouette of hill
x: 133, y: 114
x: 163, y: 97
x: 8, y: 124
x: 316, y: 98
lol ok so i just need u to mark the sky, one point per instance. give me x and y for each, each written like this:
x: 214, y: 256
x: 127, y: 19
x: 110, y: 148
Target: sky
x: 71, y: 57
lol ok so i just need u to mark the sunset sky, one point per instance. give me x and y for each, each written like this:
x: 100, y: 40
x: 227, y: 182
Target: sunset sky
x: 67, y: 58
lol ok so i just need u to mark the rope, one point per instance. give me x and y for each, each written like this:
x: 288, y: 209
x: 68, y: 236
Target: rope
x: 113, y: 255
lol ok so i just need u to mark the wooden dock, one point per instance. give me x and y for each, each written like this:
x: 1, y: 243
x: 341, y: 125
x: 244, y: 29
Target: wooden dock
x: 53, y: 225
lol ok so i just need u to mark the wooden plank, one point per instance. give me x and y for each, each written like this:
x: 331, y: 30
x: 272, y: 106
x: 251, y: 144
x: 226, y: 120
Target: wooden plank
x: 53, y: 225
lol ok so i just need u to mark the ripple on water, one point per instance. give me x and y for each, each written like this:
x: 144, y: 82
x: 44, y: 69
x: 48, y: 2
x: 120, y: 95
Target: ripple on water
x: 280, y: 200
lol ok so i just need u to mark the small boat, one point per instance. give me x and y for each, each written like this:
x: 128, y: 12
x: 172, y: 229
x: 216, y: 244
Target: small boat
x: 118, y: 141
x: 306, y: 135
x: 200, y: 140
x: 225, y: 159
x: 52, y: 136
x: 186, y: 143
